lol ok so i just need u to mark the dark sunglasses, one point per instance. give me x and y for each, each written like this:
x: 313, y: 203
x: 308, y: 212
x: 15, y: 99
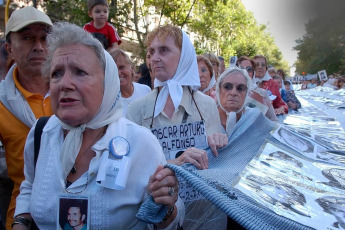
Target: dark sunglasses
x: 248, y: 68
x: 229, y: 86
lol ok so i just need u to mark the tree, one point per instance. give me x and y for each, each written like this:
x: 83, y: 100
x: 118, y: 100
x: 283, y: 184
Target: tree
x: 322, y: 47
x: 220, y: 26
x: 228, y: 29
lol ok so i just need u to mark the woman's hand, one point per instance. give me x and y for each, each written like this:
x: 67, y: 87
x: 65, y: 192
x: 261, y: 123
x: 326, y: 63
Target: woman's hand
x: 279, y: 111
x: 163, y: 186
x: 292, y: 105
x: 217, y: 141
x: 197, y: 157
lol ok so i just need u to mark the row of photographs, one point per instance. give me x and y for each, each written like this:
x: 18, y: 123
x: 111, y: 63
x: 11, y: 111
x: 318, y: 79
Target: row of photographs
x: 297, y: 186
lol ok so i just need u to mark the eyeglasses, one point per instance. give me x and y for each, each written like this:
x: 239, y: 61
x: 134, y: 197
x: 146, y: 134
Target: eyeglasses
x: 248, y: 68
x: 262, y: 65
x: 229, y: 86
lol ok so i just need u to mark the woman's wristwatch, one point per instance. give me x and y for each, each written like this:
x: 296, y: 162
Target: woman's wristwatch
x: 169, y: 213
x: 22, y: 221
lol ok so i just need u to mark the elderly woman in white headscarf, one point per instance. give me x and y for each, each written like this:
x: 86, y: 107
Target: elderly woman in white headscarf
x: 232, y: 89
x: 207, y: 76
x: 180, y: 115
x: 87, y: 150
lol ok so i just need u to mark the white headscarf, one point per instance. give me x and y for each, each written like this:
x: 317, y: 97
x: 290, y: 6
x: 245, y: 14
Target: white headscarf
x: 211, y: 84
x: 232, y: 116
x: 187, y: 74
x: 266, y: 77
x: 109, y: 111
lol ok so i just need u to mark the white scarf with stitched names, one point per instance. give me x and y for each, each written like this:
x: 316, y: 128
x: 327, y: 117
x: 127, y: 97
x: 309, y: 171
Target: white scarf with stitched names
x: 14, y: 101
x: 187, y: 74
x: 109, y: 111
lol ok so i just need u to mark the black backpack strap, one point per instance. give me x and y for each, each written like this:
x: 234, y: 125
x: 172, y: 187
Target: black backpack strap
x: 37, y: 136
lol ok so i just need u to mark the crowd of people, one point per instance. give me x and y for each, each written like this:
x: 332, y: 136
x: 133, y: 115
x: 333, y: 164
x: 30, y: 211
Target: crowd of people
x: 112, y: 129
x: 332, y: 82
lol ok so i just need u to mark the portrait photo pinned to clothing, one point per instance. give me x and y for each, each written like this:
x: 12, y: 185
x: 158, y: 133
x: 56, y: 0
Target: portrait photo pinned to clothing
x: 73, y: 212
x: 322, y: 75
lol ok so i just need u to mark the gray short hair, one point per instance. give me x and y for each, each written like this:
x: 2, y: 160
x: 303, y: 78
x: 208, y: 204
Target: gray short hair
x: 231, y: 71
x: 63, y: 34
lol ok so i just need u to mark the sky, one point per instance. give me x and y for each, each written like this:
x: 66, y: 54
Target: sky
x: 285, y: 20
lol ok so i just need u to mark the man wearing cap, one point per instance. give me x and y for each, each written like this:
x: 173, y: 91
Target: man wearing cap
x: 266, y: 82
x: 23, y: 93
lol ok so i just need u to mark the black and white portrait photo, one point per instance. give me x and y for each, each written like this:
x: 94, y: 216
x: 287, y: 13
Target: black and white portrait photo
x: 322, y: 75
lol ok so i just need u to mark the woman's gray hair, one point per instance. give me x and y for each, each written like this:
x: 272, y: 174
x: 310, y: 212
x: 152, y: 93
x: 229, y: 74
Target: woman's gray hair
x: 228, y: 72
x: 63, y: 34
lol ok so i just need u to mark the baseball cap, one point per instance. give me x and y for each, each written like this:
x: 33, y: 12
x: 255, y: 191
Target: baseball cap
x: 24, y: 17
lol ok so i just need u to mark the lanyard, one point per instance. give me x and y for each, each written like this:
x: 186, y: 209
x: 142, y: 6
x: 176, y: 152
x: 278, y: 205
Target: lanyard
x: 185, y: 115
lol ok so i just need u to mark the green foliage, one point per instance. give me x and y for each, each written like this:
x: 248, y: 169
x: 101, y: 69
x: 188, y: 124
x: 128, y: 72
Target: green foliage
x: 223, y: 27
x: 227, y: 29
x: 71, y: 11
x: 322, y: 47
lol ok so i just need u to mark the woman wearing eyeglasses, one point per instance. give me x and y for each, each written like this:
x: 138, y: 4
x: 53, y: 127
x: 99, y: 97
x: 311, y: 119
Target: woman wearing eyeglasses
x: 232, y: 89
x: 264, y: 81
x: 257, y: 97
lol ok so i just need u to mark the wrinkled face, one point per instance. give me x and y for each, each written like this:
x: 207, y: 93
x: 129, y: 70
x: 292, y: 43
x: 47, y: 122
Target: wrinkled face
x: 233, y: 91
x: 260, y: 68
x: 74, y: 217
x: 205, y: 75
x: 100, y: 14
x: 247, y: 65
x: 125, y: 71
x: 165, y: 56
x: 76, y: 84
x: 28, y: 48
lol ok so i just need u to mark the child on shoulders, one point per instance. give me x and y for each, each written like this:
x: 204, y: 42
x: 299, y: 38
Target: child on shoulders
x: 98, y: 10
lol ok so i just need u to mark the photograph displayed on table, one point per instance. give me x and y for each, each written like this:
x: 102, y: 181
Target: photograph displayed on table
x: 336, y: 207
x: 278, y: 194
x: 294, y: 140
x: 290, y: 185
x: 306, y: 146
x: 336, y: 177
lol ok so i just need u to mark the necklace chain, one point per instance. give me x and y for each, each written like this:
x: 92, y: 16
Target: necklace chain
x: 74, y: 167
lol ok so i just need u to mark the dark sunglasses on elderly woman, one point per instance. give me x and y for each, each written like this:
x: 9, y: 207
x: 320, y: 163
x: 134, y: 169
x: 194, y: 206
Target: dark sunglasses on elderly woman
x: 248, y: 68
x: 229, y: 86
